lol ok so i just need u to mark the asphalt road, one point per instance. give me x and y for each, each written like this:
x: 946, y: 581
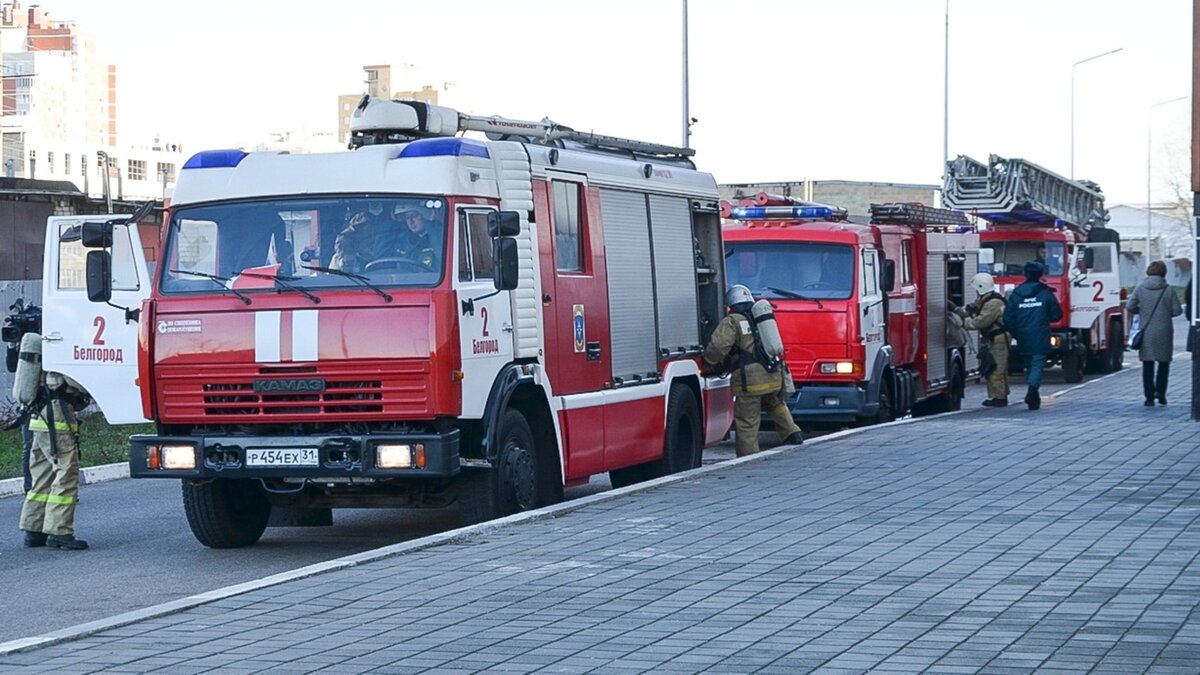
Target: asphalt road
x: 143, y: 552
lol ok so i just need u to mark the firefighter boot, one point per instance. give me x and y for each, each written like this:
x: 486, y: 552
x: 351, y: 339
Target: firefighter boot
x: 66, y: 541
x: 34, y: 539
x: 995, y: 402
x: 1033, y: 399
x: 796, y: 438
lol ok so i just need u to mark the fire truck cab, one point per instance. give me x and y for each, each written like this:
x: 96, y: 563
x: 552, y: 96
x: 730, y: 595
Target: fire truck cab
x: 427, y: 320
x: 863, y: 309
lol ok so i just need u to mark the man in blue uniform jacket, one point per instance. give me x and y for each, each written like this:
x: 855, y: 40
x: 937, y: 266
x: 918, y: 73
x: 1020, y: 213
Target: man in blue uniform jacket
x: 1030, y: 310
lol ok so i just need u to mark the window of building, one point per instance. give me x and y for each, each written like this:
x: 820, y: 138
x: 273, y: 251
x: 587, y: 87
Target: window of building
x: 474, y: 246
x: 167, y: 168
x: 67, y: 163
x: 568, y: 238
x: 50, y: 162
x: 137, y: 169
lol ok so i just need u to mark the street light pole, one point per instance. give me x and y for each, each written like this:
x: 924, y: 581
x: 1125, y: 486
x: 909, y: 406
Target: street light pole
x: 1073, y: 66
x: 687, y: 131
x: 946, y: 93
x: 1149, y: 154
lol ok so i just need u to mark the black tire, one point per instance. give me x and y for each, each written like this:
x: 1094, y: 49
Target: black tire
x: 1072, y: 365
x: 511, y: 484
x: 1116, y: 347
x: 885, y: 413
x: 948, y: 401
x: 226, y: 513
x: 683, y: 443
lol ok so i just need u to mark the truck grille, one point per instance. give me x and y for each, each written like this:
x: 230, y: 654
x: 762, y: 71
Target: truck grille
x: 351, y: 391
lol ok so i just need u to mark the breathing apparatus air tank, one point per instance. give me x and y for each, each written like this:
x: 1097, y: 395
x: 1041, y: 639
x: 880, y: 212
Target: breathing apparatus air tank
x: 28, y: 378
x: 768, y: 330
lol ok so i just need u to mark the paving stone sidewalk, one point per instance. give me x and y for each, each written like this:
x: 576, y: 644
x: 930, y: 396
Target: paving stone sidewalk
x: 1005, y: 541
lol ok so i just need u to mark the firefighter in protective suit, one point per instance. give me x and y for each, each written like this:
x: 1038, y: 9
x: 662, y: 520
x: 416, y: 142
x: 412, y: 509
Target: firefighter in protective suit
x: 48, y: 515
x: 986, y: 315
x: 732, y: 349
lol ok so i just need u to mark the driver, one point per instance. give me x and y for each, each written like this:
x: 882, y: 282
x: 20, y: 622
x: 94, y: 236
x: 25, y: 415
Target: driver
x: 416, y: 239
x: 368, y: 235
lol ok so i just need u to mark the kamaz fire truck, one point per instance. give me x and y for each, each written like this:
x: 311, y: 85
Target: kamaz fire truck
x: 426, y: 320
x: 862, y: 308
x: 1035, y: 214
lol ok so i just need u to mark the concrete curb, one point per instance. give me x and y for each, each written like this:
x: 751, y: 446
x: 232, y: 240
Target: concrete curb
x: 13, y: 487
x: 346, y: 562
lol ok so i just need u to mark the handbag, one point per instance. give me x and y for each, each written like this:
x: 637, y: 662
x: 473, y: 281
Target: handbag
x: 1135, y: 335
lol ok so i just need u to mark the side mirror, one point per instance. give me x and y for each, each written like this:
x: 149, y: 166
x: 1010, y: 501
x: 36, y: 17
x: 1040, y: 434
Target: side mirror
x: 503, y: 224
x: 887, y: 276
x: 505, y: 270
x: 99, y: 276
x: 98, y: 235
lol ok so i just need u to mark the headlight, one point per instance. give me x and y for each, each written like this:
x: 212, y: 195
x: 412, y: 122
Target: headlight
x: 178, y: 457
x: 828, y: 368
x: 394, y: 456
x: 1055, y: 341
x: 845, y: 367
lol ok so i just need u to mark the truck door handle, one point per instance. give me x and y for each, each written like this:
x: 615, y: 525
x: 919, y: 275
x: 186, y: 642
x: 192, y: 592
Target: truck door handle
x: 507, y: 328
x: 593, y: 351
x: 53, y: 337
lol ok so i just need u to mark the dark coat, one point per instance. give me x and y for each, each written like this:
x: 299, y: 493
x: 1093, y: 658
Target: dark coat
x: 1158, y: 331
x: 1029, y: 311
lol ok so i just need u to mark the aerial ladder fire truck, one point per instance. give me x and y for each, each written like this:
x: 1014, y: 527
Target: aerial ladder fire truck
x: 1036, y: 214
x: 547, y: 327
x: 862, y: 308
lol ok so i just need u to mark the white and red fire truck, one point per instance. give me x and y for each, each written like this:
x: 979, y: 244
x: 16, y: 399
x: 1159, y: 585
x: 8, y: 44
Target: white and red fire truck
x: 862, y: 308
x: 1036, y: 214
x: 428, y: 319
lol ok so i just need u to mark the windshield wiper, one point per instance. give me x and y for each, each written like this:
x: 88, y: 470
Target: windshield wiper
x: 795, y: 296
x: 351, y: 275
x: 219, y: 280
x: 283, y: 281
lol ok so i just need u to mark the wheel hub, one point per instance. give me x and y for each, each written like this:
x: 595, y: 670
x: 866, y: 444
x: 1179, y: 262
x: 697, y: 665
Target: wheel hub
x: 517, y: 478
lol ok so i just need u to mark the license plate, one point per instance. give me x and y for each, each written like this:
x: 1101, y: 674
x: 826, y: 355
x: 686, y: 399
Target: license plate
x: 281, y: 457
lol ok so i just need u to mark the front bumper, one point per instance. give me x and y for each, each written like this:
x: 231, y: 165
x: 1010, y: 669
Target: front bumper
x: 337, y: 456
x: 829, y: 403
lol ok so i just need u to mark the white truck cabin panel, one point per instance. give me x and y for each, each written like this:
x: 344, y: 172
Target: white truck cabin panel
x: 441, y: 166
x: 666, y: 177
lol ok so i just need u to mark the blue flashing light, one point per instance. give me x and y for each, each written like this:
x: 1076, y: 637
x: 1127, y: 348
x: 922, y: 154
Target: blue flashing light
x: 445, y: 147
x: 215, y: 159
x: 763, y: 212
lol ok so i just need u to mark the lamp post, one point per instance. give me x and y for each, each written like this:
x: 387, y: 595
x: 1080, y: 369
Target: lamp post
x: 687, y: 130
x: 946, y: 93
x: 1073, y: 66
x: 1149, y: 154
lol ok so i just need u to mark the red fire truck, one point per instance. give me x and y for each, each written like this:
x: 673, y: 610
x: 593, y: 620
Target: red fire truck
x: 429, y: 319
x: 862, y: 308
x: 1035, y: 214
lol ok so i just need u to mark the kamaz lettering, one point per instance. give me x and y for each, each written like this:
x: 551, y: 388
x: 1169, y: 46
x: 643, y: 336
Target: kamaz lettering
x: 307, y: 384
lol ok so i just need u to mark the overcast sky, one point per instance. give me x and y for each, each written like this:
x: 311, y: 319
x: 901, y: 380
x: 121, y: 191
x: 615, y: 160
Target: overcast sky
x: 820, y: 89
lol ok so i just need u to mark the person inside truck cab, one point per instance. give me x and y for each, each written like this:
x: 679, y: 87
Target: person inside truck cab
x: 1053, y: 262
x: 417, y: 238
x: 369, y: 235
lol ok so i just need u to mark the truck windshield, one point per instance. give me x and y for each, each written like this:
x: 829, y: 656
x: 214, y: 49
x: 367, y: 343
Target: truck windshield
x: 1011, y: 256
x: 306, y: 243
x: 818, y: 271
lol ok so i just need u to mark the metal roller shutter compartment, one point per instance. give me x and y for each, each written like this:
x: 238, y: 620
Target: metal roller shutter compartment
x: 674, y: 273
x: 630, y: 284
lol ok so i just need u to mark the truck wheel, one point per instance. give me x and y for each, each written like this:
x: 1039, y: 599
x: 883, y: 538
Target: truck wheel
x: 684, y: 440
x: 1116, y: 347
x: 682, y: 444
x: 885, y: 414
x: 510, y: 485
x: 1072, y: 365
x: 225, y: 513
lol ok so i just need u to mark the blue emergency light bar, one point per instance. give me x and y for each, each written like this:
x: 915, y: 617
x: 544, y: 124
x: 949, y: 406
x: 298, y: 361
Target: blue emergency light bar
x: 766, y: 212
x: 445, y: 147
x: 215, y: 159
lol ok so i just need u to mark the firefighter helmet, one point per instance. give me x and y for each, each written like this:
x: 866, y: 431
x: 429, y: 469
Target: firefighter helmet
x: 983, y: 283
x: 738, y: 295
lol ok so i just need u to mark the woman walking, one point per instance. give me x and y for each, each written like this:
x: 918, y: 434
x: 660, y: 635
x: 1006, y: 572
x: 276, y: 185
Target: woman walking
x: 1156, y: 304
